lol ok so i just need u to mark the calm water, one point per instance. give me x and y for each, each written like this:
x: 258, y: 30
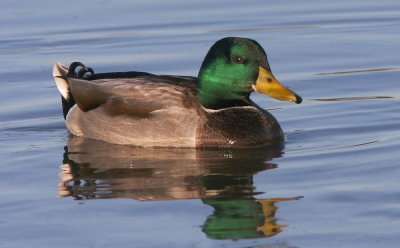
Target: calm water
x: 334, y: 184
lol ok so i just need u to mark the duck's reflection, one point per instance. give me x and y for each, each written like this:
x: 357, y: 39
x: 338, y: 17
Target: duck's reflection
x: 223, y: 179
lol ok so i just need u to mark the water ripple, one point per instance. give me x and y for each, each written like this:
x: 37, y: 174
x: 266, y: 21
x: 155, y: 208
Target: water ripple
x: 358, y: 71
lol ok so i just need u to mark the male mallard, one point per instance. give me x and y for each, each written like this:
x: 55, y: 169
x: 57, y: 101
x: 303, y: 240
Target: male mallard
x: 142, y: 109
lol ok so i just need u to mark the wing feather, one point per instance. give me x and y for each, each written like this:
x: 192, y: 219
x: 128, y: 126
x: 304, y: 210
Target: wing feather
x: 138, y: 96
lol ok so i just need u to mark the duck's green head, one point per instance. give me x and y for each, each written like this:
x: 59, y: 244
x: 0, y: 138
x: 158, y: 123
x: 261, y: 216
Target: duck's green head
x: 232, y: 69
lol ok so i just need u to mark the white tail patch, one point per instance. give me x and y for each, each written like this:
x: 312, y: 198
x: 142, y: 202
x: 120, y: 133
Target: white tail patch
x: 60, y: 72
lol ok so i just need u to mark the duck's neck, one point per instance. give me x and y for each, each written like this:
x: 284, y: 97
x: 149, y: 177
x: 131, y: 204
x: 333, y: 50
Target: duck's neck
x: 217, y: 98
x: 214, y: 94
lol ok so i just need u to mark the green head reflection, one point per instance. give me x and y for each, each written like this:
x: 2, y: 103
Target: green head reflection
x: 242, y: 218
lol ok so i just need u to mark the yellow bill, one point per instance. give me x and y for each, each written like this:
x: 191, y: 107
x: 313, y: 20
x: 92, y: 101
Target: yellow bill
x: 267, y: 84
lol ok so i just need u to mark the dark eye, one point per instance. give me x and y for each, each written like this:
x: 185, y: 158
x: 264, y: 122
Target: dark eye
x: 237, y: 59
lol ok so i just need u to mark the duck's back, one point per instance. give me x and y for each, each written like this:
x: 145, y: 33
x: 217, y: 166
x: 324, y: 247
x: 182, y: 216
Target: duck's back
x: 143, y: 111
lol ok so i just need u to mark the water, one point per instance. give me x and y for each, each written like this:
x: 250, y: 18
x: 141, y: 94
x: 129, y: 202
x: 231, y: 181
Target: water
x: 334, y: 184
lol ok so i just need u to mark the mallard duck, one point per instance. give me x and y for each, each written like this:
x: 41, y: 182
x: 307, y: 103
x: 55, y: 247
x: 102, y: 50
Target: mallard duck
x: 142, y: 109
